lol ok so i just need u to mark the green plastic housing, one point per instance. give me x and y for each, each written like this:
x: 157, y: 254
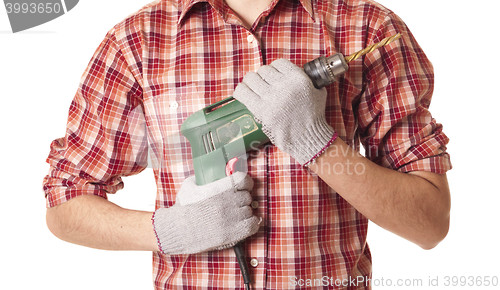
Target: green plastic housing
x: 219, y: 133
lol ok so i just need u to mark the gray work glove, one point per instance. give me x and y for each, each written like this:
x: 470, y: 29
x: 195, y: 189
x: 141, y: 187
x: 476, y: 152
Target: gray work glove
x: 208, y: 217
x: 291, y: 110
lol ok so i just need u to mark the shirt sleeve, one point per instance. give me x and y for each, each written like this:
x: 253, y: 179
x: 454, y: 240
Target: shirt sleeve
x: 395, y: 125
x: 105, y: 136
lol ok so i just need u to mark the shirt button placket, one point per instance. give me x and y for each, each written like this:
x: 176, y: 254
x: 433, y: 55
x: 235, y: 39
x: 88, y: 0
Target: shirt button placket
x: 257, y: 254
x: 250, y: 38
x: 254, y: 262
x: 253, y: 43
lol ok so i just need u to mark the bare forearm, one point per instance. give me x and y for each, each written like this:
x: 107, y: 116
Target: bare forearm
x: 94, y: 222
x: 414, y: 206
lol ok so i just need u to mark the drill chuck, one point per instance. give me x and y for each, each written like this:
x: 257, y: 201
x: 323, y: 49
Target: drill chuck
x: 325, y: 70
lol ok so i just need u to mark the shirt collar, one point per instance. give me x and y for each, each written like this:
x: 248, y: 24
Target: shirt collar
x: 220, y: 7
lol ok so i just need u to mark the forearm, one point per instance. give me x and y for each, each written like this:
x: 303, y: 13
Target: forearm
x: 94, y: 222
x: 414, y: 206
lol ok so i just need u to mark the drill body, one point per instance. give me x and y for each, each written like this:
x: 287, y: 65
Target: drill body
x: 220, y: 135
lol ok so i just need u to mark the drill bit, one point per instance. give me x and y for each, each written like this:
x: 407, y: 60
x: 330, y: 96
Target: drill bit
x: 372, y: 47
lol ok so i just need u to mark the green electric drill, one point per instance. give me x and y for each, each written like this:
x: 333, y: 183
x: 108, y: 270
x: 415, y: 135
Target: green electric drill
x: 221, y: 134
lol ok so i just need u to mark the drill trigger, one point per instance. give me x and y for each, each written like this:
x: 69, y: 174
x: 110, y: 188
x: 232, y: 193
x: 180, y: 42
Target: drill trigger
x: 231, y: 166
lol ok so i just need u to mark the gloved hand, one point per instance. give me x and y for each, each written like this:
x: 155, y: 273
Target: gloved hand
x: 212, y: 216
x: 291, y: 110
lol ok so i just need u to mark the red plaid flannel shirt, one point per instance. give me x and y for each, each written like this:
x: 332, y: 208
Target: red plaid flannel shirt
x: 173, y: 58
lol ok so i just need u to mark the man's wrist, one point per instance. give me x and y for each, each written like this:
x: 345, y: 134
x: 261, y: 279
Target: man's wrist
x: 322, y: 151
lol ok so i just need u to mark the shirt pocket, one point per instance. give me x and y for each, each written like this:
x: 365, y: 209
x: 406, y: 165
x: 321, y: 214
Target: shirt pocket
x: 170, y: 151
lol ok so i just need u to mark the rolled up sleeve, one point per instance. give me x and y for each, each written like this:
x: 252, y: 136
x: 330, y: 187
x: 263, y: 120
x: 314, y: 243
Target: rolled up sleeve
x: 395, y: 125
x: 105, y: 136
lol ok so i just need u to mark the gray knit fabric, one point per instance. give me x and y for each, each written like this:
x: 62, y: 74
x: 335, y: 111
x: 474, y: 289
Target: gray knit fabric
x: 291, y: 110
x: 213, y: 216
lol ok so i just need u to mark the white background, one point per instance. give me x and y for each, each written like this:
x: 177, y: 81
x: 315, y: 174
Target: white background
x: 39, y: 73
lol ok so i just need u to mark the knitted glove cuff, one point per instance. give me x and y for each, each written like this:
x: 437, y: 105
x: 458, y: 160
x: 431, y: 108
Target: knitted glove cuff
x: 168, y: 237
x: 313, y: 142
x: 156, y: 233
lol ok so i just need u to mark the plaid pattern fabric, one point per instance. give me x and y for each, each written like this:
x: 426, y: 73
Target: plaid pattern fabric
x: 172, y: 58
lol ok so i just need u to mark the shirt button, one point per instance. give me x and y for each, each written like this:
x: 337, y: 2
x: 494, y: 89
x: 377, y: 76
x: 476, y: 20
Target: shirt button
x: 254, y: 262
x: 250, y: 38
x: 255, y: 204
x: 174, y: 105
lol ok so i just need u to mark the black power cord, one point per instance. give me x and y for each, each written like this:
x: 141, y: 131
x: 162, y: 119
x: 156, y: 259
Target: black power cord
x: 245, y: 272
